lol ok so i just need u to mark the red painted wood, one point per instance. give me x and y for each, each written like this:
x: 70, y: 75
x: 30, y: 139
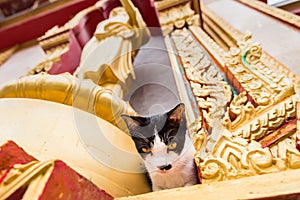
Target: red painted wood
x: 64, y: 180
x: 107, y: 5
x: 149, y: 14
x: 82, y: 33
x: 12, y: 154
x: 70, y: 60
x: 85, y: 29
x: 36, y: 26
x: 12, y: 7
x: 78, y: 37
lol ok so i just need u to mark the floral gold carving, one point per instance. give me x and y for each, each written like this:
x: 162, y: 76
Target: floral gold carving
x: 197, y: 133
x: 264, y: 87
x: 209, y: 87
x: 233, y: 36
x: 177, y: 17
x: 255, y: 132
x: 264, y: 123
x: 235, y: 157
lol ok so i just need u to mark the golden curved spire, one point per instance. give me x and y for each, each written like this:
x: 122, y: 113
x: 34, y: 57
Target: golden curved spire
x: 67, y: 89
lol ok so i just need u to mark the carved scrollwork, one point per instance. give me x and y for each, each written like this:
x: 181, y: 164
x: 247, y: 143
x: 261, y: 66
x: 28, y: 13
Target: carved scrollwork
x: 215, y: 169
x: 197, y: 133
x: 177, y: 17
x: 256, y: 133
x: 257, y: 159
x: 240, y: 110
x: 212, y: 92
x: 233, y: 158
x: 253, y: 78
x: 246, y: 157
x: 234, y: 151
x: 263, y: 124
x: 262, y: 84
x: 264, y: 104
x: 279, y: 69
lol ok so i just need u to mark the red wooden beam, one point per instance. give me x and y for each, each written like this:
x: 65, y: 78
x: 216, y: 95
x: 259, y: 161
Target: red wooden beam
x: 36, y: 25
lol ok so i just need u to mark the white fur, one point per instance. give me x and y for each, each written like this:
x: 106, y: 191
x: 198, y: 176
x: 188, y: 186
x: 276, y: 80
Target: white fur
x: 182, y: 172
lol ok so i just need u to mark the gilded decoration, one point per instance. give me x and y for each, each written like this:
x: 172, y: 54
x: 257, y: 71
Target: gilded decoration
x: 121, y: 35
x: 177, y: 17
x: 247, y: 102
x: 52, y: 56
x: 246, y: 72
x: 236, y: 157
x: 100, y: 78
x: 209, y: 87
x: 232, y: 36
x: 267, y: 144
x: 20, y: 174
x: 55, y: 42
x: 67, y: 89
x: 279, y: 68
x: 247, y: 63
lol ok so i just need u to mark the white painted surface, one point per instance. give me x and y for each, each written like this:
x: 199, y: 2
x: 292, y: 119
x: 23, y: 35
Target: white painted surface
x: 20, y: 63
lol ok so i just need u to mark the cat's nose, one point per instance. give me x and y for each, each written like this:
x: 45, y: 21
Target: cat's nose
x: 165, y: 167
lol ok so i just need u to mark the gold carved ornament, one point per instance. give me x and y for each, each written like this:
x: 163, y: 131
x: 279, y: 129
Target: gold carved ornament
x: 264, y: 105
x: 256, y: 132
x: 176, y: 17
x: 212, y: 92
x: 232, y: 36
x: 55, y: 42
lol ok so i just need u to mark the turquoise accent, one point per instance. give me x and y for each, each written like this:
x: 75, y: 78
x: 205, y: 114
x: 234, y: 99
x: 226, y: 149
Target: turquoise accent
x: 234, y: 92
x: 247, y: 64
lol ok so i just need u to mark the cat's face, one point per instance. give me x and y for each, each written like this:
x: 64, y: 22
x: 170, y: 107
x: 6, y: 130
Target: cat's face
x: 159, y: 139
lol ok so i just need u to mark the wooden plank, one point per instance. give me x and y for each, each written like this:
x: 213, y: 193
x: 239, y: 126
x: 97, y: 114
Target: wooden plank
x: 281, y: 185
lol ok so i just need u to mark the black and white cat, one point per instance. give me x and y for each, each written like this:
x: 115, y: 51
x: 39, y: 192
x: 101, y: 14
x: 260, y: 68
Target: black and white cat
x: 167, y: 150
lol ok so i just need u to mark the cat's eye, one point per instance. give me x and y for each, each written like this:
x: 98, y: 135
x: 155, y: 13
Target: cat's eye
x: 172, y: 146
x: 146, y: 150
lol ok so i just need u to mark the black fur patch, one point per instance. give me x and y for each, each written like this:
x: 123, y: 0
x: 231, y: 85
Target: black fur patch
x: 171, y: 127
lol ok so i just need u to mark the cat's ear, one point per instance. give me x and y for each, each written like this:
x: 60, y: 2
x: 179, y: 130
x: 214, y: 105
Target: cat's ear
x: 176, y: 114
x: 133, y: 122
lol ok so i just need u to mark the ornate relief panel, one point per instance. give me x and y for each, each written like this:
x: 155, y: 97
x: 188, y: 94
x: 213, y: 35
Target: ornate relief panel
x: 247, y: 102
x: 178, y: 15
